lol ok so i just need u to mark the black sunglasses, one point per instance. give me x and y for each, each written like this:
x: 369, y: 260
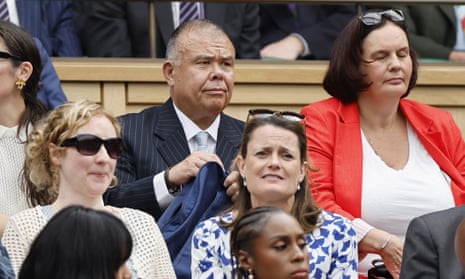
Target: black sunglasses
x: 89, y: 145
x: 6, y: 55
x: 375, y: 18
x: 264, y: 113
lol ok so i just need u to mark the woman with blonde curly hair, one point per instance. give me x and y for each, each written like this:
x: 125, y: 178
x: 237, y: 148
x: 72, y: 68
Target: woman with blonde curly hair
x: 70, y: 160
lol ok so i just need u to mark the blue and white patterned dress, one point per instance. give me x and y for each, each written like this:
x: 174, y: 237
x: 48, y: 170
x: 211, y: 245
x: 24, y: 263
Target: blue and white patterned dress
x: 332, y: 249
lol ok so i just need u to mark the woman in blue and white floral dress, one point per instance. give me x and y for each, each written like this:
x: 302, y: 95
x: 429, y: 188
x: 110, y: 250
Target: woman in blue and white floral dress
x: 273, y: 165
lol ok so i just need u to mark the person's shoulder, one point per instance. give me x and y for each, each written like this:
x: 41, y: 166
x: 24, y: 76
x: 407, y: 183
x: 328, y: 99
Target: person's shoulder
x: 419, y: 107
x: 214, y: 223
x: 26, y: 215
x: 28, y: 222
x: 135, y: 215
x: 336, y: 223
x: 232, y: 120
x: 325, y: 104
x: 133, y: 116
x: 445, y: 214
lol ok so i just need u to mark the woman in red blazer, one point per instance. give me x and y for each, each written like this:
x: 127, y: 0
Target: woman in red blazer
x: 382, y: 159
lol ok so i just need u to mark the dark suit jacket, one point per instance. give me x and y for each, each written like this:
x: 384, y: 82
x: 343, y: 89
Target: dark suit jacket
x: 432, y: 29
x: 52, y: 22
x: 112, y: 29
x: 319, y: 25
x: 153, y: 141
x: 429, y: 246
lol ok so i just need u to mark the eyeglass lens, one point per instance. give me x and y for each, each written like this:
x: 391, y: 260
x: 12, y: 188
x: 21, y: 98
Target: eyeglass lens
x: 89, y: 145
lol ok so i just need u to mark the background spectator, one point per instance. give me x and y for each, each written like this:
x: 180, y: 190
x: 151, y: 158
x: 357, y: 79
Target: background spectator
x: 52, y: 22
x: 301, y: 31
x: 113, y: 29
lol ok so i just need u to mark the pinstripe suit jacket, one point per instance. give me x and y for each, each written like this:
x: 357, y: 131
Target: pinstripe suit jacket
x: 153, y: 140
x: 52, y: 22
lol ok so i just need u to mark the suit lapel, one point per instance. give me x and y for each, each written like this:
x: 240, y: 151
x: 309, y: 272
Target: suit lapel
x: 229, y: 140
x: 349, y: 175
x: 172, y: 144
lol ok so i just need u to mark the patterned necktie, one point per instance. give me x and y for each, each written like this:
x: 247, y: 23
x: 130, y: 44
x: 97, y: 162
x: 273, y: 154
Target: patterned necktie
x: 293, y: 9
x: 188, y: 11
x: 201, y: 138
x: 4, y: 11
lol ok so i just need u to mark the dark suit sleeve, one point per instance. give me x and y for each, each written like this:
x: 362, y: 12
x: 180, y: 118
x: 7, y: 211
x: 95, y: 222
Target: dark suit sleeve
x: 320, y: 36
x: 420, y: 257
x: 103, y: 29
x: 65, y: 41
x: 50, y: 92
x: 249, y: 44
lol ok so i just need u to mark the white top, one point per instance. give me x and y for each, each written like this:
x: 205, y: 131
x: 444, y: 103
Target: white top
x: 12, y: 199
x: 392, y: 198
x: 150, y: 257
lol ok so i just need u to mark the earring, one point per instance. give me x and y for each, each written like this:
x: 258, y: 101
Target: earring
x: 114, y: 182
x: 250, y: 274
x: 20, y: 83
x: 298, y: 186
x: 244, y: 182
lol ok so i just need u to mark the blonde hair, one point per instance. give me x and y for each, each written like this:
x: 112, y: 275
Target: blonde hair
x: 40, y: 175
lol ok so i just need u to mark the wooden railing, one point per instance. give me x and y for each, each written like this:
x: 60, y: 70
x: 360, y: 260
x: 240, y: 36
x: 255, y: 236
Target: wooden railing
x: 129, y: 85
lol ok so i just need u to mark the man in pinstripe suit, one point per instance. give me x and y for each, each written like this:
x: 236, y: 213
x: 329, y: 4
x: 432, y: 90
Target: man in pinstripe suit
x: 160, y: 148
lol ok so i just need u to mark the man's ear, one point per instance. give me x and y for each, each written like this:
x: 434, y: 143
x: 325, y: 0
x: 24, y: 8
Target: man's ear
x: 245, y: 261
x: 168, y: 72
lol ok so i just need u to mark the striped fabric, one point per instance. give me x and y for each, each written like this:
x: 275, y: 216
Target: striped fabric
x: 187, y: 11
x: 4, y: 11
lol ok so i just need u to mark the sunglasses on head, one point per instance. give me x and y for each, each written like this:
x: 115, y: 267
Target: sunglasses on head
x: 264, y: 113
x: 375, y: 18
x: 89, y: 145
x: 6, y: 55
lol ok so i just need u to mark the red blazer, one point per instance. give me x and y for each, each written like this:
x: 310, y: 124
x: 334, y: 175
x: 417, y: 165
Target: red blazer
x: 335, y: 148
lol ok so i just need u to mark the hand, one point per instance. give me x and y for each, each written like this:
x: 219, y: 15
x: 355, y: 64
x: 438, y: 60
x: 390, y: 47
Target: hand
x: 231, y: 183
x: 288, y: 48
x: 391, y: 254
x: 188, y: 168
x: 457, y: 56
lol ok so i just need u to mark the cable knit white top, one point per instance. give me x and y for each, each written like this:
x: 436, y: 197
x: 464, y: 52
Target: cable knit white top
x: 12, y: 153
x: 150, y: 257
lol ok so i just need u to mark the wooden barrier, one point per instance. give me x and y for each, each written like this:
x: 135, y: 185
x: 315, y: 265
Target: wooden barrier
x: 129, y: 85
